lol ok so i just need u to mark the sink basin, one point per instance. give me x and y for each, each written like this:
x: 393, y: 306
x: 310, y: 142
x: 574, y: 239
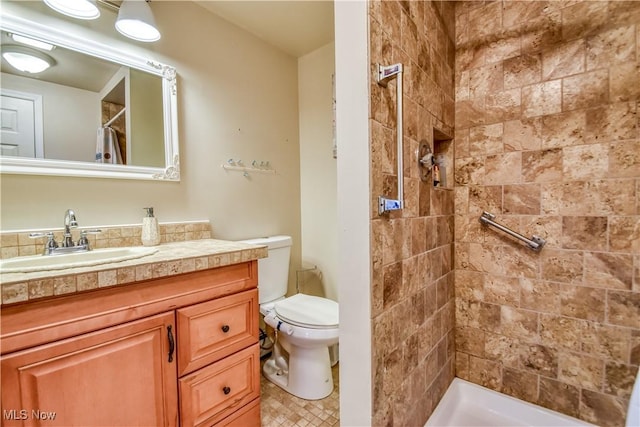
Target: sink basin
x: 28, y: 264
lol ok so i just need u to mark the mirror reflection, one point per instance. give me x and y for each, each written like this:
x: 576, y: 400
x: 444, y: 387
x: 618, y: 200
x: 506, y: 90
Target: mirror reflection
x: 80, y: 108
x: 73, y: 105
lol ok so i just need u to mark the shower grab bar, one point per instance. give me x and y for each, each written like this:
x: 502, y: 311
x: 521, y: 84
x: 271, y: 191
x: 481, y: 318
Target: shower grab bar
x: 535, y: 243
x: 386, y: 73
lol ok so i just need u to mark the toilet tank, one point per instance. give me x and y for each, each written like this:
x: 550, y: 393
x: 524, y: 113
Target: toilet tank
x: 273, y: 271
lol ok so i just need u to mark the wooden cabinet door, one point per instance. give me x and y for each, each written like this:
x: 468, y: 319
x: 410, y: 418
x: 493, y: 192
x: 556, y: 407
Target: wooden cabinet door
x: 119, y: 376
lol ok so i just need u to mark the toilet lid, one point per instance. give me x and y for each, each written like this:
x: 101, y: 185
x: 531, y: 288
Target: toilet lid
x: 308, y: 311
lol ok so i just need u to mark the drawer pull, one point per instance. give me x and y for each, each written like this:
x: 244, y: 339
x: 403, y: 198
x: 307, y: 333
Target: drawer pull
x: 226, y: 390
x: 225, y: 328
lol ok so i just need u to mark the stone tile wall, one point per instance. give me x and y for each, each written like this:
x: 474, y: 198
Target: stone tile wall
x: 548, y: 139
x: 412, y: 250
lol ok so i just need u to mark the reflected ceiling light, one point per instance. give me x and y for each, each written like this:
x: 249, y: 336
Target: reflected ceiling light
x: 135, y: 20
x: 26, y: 59
x: 81, y: 9
x: 32, y: 42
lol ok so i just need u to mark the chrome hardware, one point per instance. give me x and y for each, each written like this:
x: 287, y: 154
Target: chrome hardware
x: 384, y: 74
x: 83, y: 240
x: 69, y: 223
x: 387, y: 73
x: 67, y: 246
x: 535, y: 243
x: 51, y: 241
x: 425, y: 160
x: 387, y: 205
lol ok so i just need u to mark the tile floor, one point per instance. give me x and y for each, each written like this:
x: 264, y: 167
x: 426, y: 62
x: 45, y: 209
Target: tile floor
x: 280, y: 408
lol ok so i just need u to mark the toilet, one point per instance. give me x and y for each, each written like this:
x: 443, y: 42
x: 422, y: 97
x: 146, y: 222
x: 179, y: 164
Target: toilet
x: 306, y: 326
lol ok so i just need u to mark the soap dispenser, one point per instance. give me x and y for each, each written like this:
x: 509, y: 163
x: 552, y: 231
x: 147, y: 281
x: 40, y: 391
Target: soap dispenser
x: 150, y: 229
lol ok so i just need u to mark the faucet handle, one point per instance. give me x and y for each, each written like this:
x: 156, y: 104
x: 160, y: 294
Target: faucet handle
x: 51, y: 242
x: 91, y: 231
x: 38, y: 235
x: 83, y: 236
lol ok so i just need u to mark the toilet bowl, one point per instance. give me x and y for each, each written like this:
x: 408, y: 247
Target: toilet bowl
x: 305, y: 327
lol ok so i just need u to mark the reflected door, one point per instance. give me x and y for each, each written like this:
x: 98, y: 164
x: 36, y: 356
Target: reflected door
x: 21, y: 125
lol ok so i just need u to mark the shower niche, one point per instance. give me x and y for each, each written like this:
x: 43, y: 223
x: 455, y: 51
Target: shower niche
x: 436, y: 166
x: 442, y: 169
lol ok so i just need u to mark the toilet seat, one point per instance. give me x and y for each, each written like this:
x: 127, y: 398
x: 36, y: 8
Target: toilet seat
x: 308, y: 311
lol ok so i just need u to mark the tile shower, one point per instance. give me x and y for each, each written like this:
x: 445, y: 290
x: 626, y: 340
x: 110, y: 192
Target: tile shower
x: 543, y: 98
x: 547, y: 138
x: 412, y: 250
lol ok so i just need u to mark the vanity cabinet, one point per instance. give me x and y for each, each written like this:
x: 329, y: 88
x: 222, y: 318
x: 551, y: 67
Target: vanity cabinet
x: 120, y: 376
x: 179, y: 350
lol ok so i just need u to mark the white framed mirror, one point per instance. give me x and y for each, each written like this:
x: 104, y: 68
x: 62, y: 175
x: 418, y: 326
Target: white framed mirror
x: 132, y: 96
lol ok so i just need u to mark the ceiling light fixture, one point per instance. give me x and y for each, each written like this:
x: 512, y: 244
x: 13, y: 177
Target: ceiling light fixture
x: 32, y: 42
x: 26, y: 59
x: 81, y: 9
x: 135, y: 20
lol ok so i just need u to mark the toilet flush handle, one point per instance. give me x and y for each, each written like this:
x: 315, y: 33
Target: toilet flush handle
x: 288, y: 328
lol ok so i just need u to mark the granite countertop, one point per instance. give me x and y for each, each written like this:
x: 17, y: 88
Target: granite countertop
x: 170, y: 259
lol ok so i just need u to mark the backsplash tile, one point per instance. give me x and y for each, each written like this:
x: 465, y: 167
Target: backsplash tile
x: 20, y: 244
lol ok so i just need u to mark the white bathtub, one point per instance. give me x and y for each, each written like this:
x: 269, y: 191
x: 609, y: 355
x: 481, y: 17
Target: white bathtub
x: 468, y: 404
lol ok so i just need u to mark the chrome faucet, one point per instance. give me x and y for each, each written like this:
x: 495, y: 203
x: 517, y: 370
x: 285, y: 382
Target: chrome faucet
x: 69, y: 223
x: 67, y: 245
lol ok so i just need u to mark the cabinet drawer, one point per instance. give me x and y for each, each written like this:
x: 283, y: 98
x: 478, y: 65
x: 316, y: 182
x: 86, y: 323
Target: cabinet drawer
x: 247, y: 416
x: 209, y: 395
x: 212, y: 330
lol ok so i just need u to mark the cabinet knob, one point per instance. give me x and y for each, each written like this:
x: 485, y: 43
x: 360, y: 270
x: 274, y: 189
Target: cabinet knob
x: 225, y: 328
x: 226, y: 390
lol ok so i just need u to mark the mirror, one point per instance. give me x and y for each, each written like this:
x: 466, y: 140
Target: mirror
x: 97, y: 112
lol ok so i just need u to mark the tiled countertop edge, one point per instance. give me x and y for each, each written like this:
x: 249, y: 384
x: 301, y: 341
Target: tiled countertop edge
x: 171, y: 259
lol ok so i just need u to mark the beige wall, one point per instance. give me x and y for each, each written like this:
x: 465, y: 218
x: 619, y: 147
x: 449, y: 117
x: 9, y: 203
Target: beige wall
x: 62, y: 108
x: 411, y: 250
x: 547, y: 139
x: 318, y: 174
x: 237, y: 98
